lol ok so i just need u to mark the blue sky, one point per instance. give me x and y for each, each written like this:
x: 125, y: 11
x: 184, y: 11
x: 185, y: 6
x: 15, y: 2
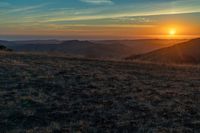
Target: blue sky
x: 95, y: 18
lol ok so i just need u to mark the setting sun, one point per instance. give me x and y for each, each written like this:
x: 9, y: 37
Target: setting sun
x: 172, y: 31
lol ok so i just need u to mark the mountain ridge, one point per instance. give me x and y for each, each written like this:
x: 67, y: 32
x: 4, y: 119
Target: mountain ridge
x: 186, y: 52
x: 115, y: 49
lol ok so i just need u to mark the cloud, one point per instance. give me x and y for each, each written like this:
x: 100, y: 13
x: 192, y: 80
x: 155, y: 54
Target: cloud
x: 98, y: 2
x: 28, y: 8
x: 23, y: 9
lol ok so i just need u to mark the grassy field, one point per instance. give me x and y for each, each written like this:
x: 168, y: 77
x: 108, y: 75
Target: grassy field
x: 40, y: 93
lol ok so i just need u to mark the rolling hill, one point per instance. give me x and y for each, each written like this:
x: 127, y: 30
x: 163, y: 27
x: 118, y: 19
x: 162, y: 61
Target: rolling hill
x: 115, y: 49
x: 75, y: 48
x: 186, y: 52
x: 142, y: 46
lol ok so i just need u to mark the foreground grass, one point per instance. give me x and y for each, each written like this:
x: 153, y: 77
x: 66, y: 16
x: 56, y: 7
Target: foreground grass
x: 40, y: 93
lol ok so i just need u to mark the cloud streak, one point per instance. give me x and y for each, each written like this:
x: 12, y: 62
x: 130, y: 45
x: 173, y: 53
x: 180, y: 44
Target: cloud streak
x: 98, y: 2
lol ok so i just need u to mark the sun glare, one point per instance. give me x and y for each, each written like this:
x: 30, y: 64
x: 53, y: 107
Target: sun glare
x: 172, y: 31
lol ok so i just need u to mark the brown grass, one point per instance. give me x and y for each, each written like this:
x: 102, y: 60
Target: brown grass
x: 40, y: 93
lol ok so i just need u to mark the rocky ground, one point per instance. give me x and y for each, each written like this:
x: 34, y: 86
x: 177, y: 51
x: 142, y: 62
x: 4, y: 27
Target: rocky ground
x: 43, y: 93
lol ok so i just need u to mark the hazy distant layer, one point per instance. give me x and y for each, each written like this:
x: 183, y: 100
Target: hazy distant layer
x: 117, y: 49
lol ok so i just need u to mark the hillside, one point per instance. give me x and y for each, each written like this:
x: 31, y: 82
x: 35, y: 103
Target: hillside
x: 142, y: 46
x: 4, y: 48
x: 115, y: 49
x: 186, y: 52
x: 46, y: 93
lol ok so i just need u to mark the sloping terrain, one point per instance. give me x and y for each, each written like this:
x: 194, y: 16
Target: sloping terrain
x: 4, y: 48
x: 187, y: 52
x: 116, y: 49
x: 142, y: 46
x: 44, y: 93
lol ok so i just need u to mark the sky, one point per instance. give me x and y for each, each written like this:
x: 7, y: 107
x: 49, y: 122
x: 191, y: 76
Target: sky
x: 98, y: 19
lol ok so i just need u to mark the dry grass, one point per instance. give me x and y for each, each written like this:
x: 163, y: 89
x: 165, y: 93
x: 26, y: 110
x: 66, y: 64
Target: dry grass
x: 40, y: 93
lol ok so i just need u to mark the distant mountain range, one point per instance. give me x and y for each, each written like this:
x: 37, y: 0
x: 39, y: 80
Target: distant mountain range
x: 186, y: 52
x: 116, y: 49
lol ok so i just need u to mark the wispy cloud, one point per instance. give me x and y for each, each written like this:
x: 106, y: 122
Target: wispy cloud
x: 114, y: 16
x: 98, y: 2
x: 28, y: 8
x: 20, y: 10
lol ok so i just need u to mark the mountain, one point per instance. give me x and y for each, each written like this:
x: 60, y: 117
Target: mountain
x: 38, y: 42
x: 95, y: 50
x: 2, y: 42
x: 142, y: 46
x: 186, y: 52
x: 75, y: 48
x: 115, y: 49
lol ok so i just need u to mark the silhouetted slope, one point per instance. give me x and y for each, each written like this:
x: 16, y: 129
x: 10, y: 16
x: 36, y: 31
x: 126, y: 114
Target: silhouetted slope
x: 4, y: 48
x: 187, y: 52
x: 145, y: 45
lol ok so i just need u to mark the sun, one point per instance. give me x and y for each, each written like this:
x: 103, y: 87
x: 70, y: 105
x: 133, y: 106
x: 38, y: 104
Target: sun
x: 172, y: 31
